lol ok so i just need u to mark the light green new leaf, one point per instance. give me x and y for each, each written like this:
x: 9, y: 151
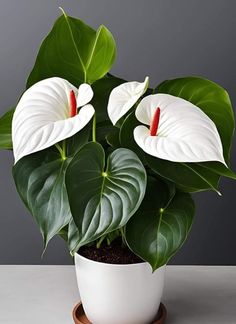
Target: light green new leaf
x: 106, y: 193
x: 5, y: 131
x: 158, y: 230
x: 75, y: 52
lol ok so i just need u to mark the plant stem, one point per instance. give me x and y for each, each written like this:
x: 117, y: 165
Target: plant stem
x: 59, y: 149
x: 122, y: 231
x: 94, y: 129
x: 62, y: 150
x: 99, y: 242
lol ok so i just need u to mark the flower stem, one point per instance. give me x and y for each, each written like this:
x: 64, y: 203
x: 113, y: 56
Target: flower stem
x: 94, y: 129
x: 64, y: 149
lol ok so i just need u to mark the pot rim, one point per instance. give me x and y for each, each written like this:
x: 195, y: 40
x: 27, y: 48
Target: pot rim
x: 112, y: 264
x: 117, y: 265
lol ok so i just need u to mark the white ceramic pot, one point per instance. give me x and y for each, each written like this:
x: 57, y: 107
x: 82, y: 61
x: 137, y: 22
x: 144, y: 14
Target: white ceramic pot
x: 119, y: 294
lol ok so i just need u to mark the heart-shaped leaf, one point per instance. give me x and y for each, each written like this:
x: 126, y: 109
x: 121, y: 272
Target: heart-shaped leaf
x: 5, y: 131
x: 40, y: 181
x: 106, y: 193
x: 158, y: 229
x: 74, y: 51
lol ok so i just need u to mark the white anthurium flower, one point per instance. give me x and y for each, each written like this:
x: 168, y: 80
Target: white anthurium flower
x: 177, y: 130
x: 123, y: 97
x: 47, y: 114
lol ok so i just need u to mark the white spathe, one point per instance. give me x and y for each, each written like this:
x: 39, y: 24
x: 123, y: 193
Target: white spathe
x: 42, y: 116
x: 123, y: 97
x: 185, y: 133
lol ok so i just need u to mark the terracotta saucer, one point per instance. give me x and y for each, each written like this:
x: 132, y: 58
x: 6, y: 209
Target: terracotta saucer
x: 80, y: 317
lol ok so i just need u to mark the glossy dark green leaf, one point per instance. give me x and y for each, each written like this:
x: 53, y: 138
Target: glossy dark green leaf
x: 106, y: 193
x: 158, y: 230
x: 218, y: 168
x: 74, y: 51
x: 102, y: 130
x: 102, y: 89
x: 211, y: 98
x: 74, y: 143
x: 73, y: 238
x: 5, y: 130
x: 188, y: 177
x: 127, y: 135
x: 113, y: 139
x: 40, y: 181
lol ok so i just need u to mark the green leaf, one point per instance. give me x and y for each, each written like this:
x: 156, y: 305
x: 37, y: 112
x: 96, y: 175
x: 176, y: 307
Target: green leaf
x: 63, y: 233
x: 211, y: 98
x: 102, y: 130
x: 106, y: 193
x: 218, y: 168
x: 74, y: 143
x: 102, y: 89
x: 74, y: 51
x: 40, y: 182
x: 113, y: 138
x: 188, y: 177
x: 156, y: 231
x: 127, y: 135
x: 73, y: 237
x: 5, y: 130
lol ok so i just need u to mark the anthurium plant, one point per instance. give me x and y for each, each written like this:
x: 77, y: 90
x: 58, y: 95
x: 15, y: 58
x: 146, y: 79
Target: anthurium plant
x: 98, y: 157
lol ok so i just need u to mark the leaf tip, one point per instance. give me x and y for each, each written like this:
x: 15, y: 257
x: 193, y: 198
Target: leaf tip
x: 63, y: 12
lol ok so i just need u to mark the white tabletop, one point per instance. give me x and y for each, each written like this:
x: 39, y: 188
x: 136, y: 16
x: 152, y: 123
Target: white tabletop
x: 47, y: 294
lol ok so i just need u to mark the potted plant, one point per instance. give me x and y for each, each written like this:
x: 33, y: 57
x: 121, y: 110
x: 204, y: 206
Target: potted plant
x: 109, y: 165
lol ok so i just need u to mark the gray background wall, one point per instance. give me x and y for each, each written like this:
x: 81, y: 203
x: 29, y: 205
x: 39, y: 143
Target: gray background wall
x: 160, y: 38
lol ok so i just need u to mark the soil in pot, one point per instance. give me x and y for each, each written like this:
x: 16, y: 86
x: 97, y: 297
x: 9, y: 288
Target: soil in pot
x: 115, y: 253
